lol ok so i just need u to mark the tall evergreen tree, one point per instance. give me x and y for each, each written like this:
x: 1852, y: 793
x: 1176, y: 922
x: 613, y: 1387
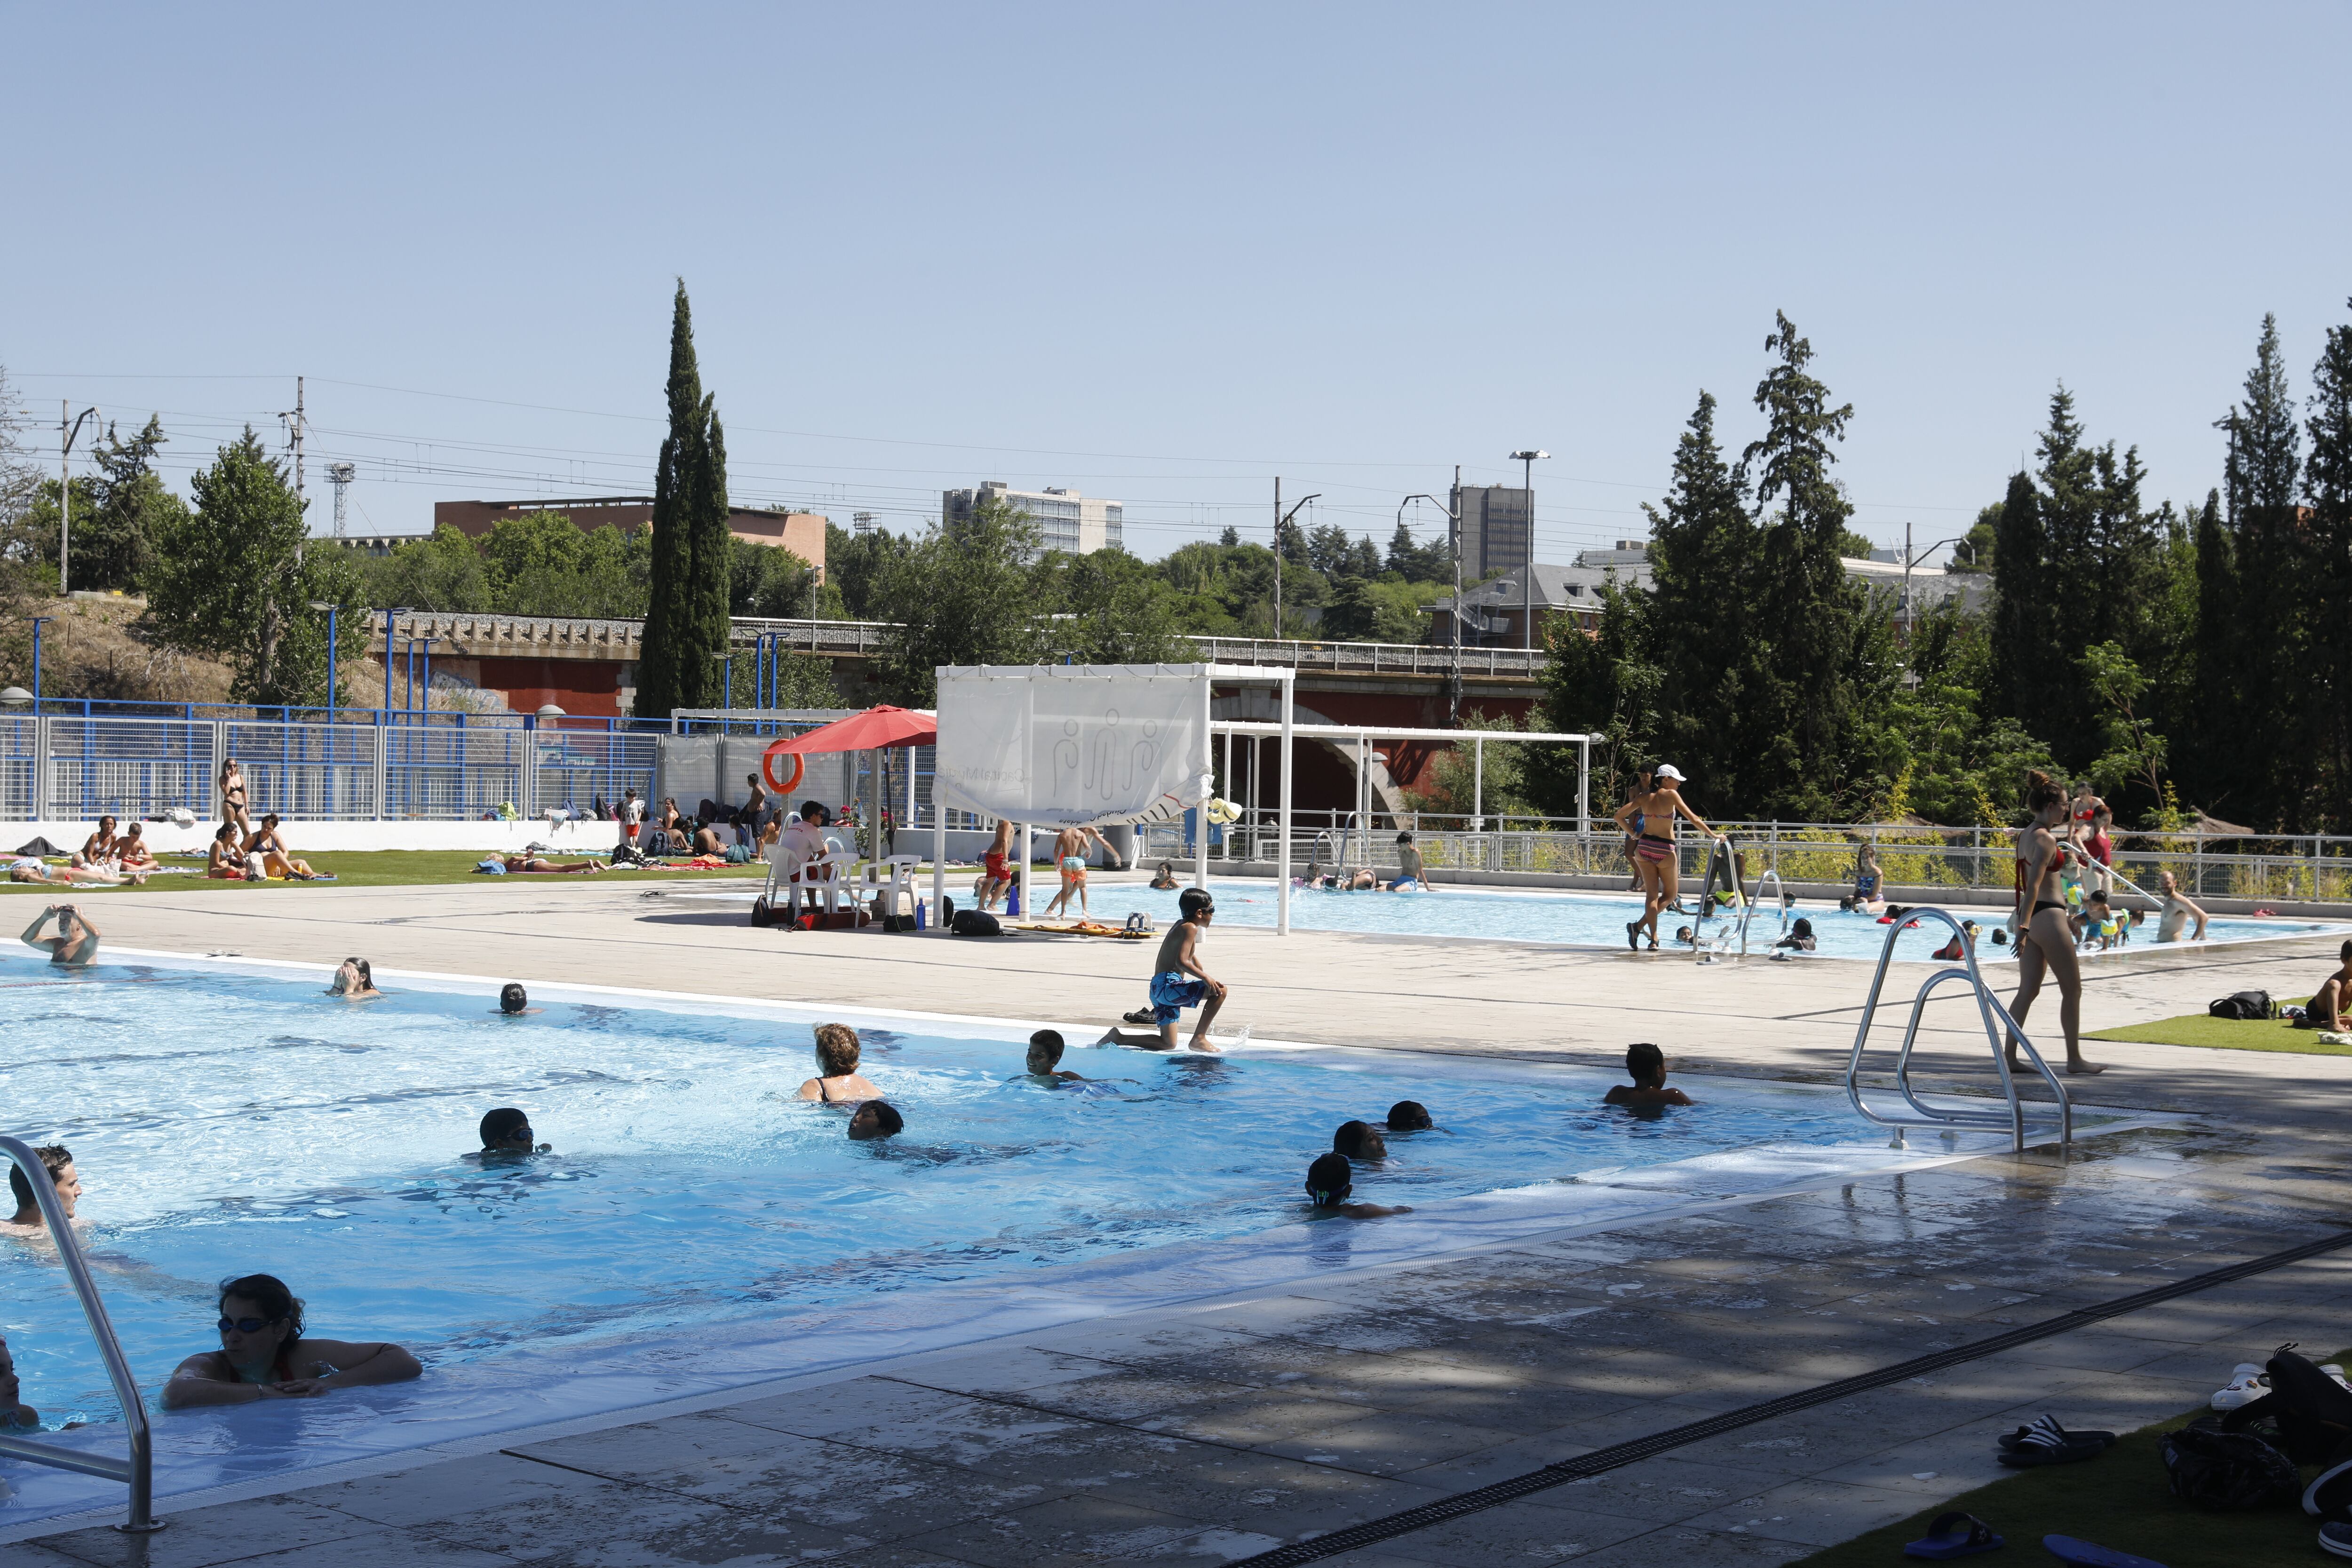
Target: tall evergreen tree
x: 1801, y: 730
x: 2025, y: 610
x: 2211, y: 779
x: 2327, y: 588
x: 2262, y: 652
x: 686, y: 615
x: 1704, y: 553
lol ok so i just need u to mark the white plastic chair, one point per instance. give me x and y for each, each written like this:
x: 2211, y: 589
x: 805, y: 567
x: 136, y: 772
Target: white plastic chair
x: 890, y: 881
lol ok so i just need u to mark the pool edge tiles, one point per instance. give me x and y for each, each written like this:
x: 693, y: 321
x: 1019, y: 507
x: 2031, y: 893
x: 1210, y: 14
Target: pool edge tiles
x: 613, y: 1381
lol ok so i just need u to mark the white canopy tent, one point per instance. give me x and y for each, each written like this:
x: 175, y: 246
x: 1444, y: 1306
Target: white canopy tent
x: 1089, y: 746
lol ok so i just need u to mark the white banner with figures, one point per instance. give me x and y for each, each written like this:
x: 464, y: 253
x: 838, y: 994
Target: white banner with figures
x: 1074, y: 745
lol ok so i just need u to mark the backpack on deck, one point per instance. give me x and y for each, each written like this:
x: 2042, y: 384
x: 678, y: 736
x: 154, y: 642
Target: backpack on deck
x: 2227, y: 1471
x: 976, y: 922
x: 2244, y: 1004
x: 2311, y: 1411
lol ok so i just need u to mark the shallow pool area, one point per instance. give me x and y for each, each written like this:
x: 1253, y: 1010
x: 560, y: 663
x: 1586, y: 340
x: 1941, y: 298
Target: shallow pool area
x: 696, y: 1227
x: 1585, y: 919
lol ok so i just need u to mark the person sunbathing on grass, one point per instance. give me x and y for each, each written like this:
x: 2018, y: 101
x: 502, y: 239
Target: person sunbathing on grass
x: 131, y: 852
x: 541, y: 864
x: 1646, y: 1066
x: 2331, y: 1004
x: 1330, y: 1181
x: 33, y: 869
x: 264, y: 1354
x: 276, y: 860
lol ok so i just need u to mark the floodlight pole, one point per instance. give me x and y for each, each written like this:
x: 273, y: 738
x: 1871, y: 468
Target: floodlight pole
x: 1281, y: 519
x: 1454, y: 546
x: 1527, y: 588
x: 64, y: 485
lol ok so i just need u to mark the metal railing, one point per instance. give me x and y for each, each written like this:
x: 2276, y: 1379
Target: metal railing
x: 1719, y: 855
x: 1999, y: 1027
x: 1432, y: 659
x: 137, y: 1471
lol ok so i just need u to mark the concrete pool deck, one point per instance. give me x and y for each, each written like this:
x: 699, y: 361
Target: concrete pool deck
x: 1209, y: 1433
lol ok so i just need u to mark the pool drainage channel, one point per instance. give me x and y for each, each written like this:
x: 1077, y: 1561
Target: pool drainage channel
x: 1602, y: 1460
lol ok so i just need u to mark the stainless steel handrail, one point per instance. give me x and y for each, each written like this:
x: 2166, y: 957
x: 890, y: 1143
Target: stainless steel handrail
x: 1999, y: 1027
x: 1720, y: 849
x: 137, y: 1472
x: 1748, y: 913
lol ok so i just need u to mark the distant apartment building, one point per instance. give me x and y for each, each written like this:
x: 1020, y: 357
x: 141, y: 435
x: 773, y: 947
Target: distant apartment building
x: 1493, y: 528
x: 802, y: 532
x: 1066, y: 520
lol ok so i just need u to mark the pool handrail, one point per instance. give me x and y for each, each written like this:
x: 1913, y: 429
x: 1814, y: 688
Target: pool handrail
x: 137, y: 1472
x: 1721, y: 848
x: 1748, y: 913
x: 1998, y: 1026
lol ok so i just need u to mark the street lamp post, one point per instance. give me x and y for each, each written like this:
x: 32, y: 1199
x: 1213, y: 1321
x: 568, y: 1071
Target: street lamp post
x: 1281, y: 520
x: 1910, y: 611
x: 1527, y: 589
x: 65, y: 489
x: 1454, y: 548
x: 38, y: 622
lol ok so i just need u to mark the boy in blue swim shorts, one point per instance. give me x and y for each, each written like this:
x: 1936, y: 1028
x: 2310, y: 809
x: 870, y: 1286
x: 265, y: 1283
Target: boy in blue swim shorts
x: 1179, y: 981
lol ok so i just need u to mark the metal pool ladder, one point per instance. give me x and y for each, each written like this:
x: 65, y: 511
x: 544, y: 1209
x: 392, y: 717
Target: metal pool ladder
x: 1719, y: 852
x: 137, y: 1472
x: 1996, y: 1023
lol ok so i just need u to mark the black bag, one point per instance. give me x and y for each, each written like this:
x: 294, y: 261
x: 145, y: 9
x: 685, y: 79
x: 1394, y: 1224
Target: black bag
x: 2311, y: 1411
x: 2227, y: 1472
x: 976, y: 922
x: 2244, y: 1004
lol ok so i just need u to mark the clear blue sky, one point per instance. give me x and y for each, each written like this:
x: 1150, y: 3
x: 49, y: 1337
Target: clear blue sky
x: 1163, y: 254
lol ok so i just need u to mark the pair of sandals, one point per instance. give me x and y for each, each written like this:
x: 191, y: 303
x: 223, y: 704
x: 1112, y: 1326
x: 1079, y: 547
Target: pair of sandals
x: 2045, y: 1442
x: 1958, y: 1534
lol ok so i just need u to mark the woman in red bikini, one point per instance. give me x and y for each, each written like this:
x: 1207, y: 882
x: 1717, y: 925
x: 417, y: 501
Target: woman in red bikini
x: 2045, y: 943
x: 1653, y: 852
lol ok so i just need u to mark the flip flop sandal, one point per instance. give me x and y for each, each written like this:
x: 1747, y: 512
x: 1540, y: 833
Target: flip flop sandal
x: 2085, y: 1554
x: 1955, y: 1534
x: 2047, y: 1443
x: 2010, y: 1440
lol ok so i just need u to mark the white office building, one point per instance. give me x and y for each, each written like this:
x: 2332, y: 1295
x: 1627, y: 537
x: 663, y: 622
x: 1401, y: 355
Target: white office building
x: 1066, y: 520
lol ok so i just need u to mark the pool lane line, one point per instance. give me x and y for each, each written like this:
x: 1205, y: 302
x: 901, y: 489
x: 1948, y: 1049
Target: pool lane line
x: 1602, y: 1460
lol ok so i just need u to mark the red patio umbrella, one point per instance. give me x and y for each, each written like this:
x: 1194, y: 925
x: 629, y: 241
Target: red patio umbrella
x: 877, y: 728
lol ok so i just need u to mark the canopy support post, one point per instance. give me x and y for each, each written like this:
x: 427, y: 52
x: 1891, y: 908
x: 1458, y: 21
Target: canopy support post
x: 1209, y: 776
x: 1282, y: 834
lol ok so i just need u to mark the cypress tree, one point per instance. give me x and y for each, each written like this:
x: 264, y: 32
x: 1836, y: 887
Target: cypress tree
x: 686, y: 612
x: 2327, y: 488
x: 1705, y: 552
x: 2025, y: 660
x: 1803, y: 724
x: 2265, y: 649
x: 2213, y: 680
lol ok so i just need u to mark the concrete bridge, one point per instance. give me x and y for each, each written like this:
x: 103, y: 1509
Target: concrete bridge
x: 589, y: 667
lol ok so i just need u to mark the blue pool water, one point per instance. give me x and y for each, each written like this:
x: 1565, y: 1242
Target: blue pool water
x: 1580, y: 919
x: 698, y: 1228
x: 228, y: 1122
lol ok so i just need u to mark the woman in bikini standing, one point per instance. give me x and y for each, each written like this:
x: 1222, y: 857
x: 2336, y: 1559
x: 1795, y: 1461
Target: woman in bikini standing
x: 2045, y: 943
x: 231, y: 793
x: 1653, y: 852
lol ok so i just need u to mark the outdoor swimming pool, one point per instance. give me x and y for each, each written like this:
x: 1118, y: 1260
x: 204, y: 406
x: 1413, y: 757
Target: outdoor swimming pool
x: 1577, y: 919
x: 698, y: 1226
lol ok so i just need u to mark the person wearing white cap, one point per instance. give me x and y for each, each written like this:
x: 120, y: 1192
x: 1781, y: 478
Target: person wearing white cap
x: 1654, y: 855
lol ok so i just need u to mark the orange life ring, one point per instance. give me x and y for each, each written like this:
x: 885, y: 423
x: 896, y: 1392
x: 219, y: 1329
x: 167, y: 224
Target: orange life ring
x: 768, y: 767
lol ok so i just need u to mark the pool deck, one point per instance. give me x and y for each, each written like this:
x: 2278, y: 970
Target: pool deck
x: 1206, y: 1434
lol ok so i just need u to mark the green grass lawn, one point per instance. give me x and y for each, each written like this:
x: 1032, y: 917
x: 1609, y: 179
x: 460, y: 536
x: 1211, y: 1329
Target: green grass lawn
x: 2117, y: 1499
x: 386, y: 868
x: 2226, y: 1034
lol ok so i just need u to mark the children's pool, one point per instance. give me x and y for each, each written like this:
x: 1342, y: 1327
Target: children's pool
x: 1581, y: 920
x: 696, y: 1225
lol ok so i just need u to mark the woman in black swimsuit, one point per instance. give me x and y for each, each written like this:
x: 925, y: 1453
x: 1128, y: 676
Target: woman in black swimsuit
x: 838, y: 1081
x: 232, y: 792
x: 2044, y: 940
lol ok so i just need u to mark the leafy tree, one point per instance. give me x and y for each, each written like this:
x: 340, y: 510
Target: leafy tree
x: 112, y: 541
x: 2326, y: 589
x: 1453, y: 784
x: 1353, y: 614
x: 1416, y: 562
x: 686, y: 614
x: 1604, y: 685
x: 1959, y: 761
x: 2132, y: 750
x: 442, y: 572
x: 1230, y: 537
x: 768, y: 580
x: 1854, y: 546
x: 958, y: 597
x: 234, y: 580
x: 856, y: 564
x: 1110, y: 609
x: 1975, y: 551
x: 540, y: 564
